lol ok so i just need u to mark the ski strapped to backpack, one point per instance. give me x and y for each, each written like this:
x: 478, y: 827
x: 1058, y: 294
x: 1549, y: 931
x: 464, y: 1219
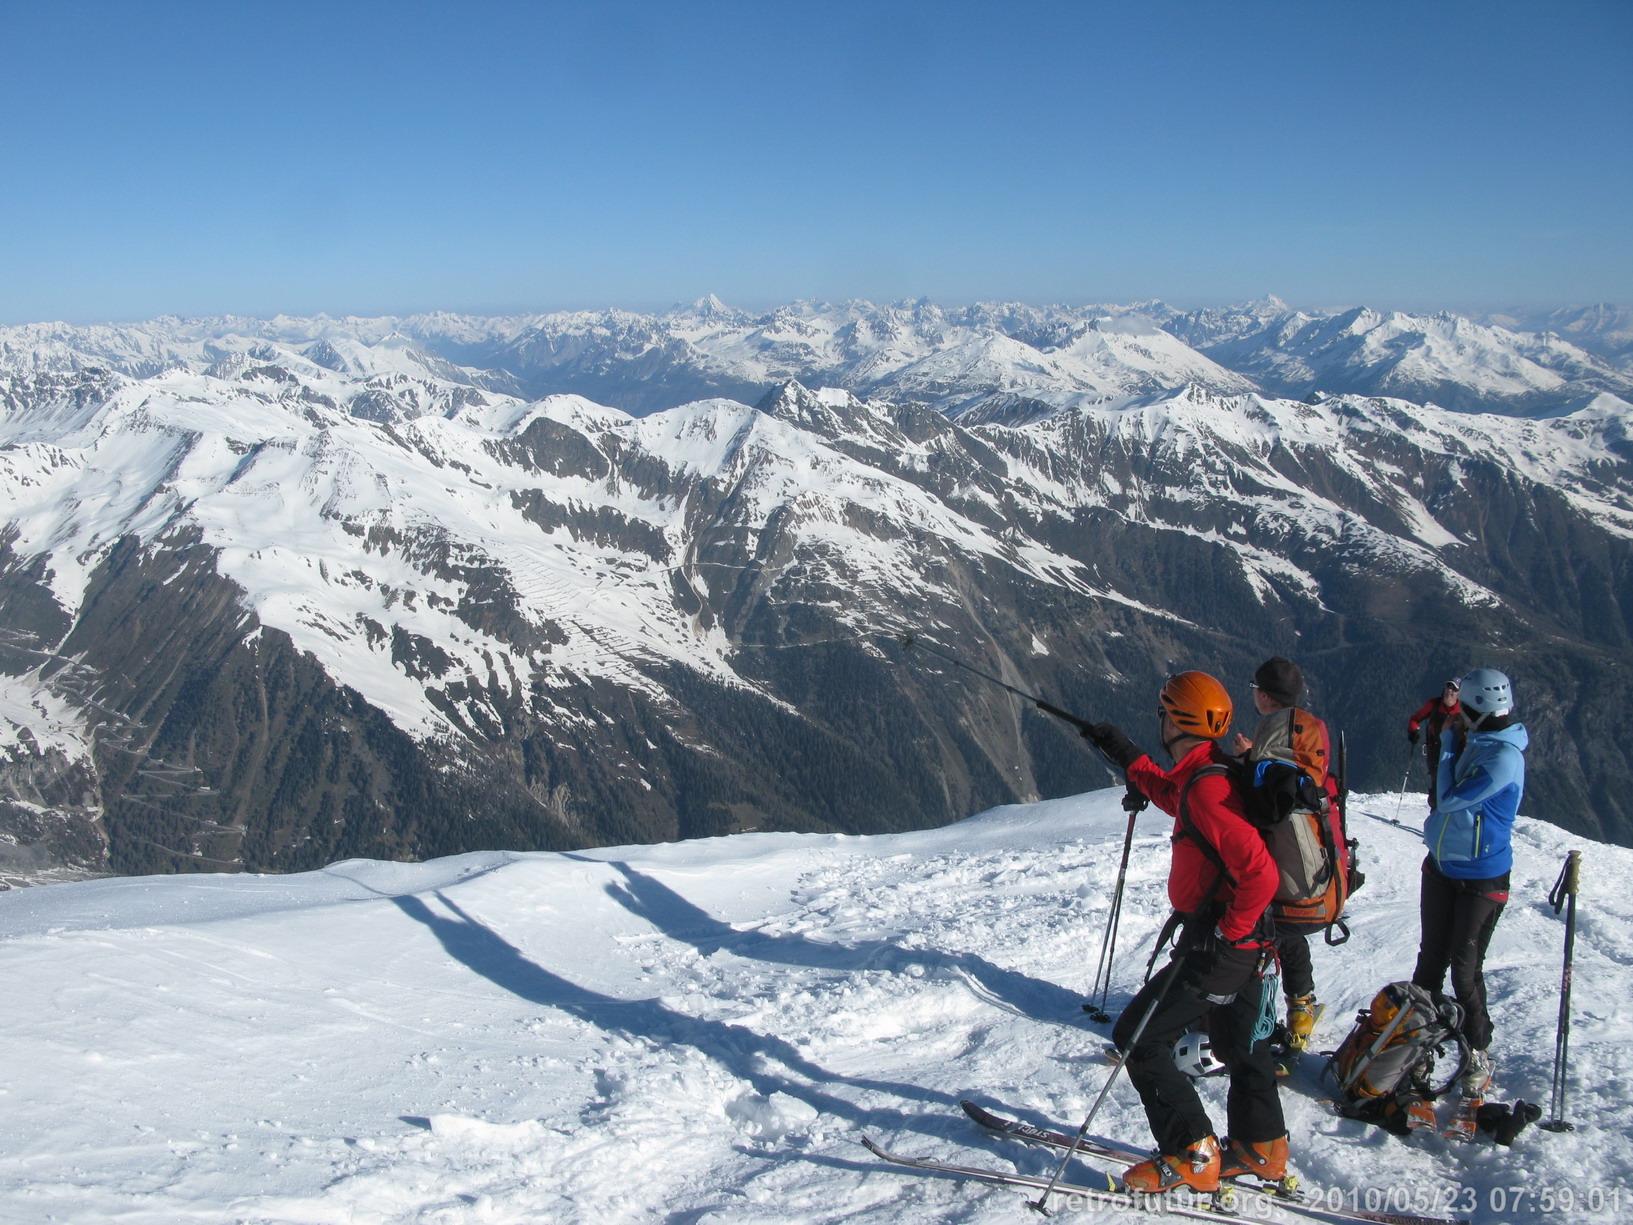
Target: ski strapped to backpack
x: 1397, y: 1053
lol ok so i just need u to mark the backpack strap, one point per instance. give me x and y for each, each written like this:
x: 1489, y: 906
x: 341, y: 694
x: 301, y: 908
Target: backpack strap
x: 1222, y: 874
x: 1188, y: 829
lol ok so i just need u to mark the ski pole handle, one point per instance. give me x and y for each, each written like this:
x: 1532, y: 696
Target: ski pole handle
x: 1569, y: 881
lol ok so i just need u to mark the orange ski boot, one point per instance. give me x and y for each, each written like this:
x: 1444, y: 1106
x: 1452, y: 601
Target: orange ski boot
x: 1266, y: 1159
x: 1196, y: 1166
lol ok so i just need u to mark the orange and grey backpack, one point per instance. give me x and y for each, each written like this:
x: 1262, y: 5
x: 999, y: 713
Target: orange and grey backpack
x: 1406, y: 1046
x: 1287, y: 798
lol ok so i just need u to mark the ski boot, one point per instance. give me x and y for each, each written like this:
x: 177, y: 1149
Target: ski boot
x: 1477, y: 1076
x: 1465, y: 1124
x: 1196, y: 1167
x: 1302, y: 1014
x: 1265, y: 1160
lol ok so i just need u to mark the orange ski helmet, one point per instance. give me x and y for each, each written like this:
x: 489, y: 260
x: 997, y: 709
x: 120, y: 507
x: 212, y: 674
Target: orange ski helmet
x: 1198, y: 704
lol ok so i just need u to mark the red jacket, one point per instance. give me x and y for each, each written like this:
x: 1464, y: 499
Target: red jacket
x: 1216, y: 812
x: 1435, y: 713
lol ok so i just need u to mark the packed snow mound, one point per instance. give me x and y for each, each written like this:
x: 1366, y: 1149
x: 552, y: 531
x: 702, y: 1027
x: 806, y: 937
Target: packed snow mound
x: 702, y: 1031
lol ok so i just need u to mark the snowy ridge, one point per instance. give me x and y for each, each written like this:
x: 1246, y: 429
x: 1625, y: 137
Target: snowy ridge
x: 701, y: 1031
x: 960, y: 360
x: 1603, y: 329
x: 347, y: 533
x: 1447, y: 358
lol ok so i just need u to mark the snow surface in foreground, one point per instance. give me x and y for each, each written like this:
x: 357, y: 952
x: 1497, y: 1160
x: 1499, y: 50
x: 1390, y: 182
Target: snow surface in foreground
x: 699, y: 1032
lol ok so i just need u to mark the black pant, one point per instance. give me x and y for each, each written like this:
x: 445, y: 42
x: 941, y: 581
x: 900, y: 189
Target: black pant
x: 1178, y: 1119
x: 1431, y: 750
x: 1458, y: 917
x: 1297, y: 976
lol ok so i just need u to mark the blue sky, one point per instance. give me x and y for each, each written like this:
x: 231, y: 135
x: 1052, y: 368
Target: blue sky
x: 369, y: 158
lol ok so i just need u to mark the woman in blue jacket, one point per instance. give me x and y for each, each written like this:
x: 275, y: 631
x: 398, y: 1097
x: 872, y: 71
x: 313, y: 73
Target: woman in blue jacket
x: 1465, y: 877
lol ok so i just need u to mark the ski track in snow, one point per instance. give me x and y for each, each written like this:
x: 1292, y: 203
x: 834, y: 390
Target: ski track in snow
x: 699, y: 1032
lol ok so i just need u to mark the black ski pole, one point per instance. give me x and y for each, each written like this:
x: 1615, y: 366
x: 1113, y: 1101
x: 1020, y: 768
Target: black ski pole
x: 1343, y: 774
x: 1564, y: 895
x: 1038, y: 1205
x: 1103, y: 971
x: 913, y: 642
x: 1135, y: 803
x: 1411, y: 752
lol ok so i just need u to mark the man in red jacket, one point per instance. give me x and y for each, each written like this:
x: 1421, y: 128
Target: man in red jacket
x: 1221, y: 880
x: 1432, y: 716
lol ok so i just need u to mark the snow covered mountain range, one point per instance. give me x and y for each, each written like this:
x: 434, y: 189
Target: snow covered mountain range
x: 700, y: 1033
x: 277, y: 592
x: 955, y: 360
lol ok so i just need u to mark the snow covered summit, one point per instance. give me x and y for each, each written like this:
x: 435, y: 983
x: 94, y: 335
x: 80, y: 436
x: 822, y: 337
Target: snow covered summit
x: 700, y: 1032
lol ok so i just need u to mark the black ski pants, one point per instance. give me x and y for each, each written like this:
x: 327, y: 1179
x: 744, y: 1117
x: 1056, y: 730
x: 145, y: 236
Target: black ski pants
x: 1458, y: 917
x: 1431, y: 750
x: 1297, y: 975
x: 1178, y: 1118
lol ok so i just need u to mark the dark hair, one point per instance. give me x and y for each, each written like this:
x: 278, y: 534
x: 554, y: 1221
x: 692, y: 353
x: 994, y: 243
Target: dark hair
x: 1281, y: 680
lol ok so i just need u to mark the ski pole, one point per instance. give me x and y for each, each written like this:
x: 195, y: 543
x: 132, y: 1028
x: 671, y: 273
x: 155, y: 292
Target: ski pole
x: 914, y: 642
x: 1038, y: 1205
x: 1564, y: 895
x: 1411, y: 752
x: 1343, y: 773
x: 1134, y: 803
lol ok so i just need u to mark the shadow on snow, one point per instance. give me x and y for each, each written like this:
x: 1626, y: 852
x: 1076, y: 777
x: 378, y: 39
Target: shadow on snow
x: 746, y: 1054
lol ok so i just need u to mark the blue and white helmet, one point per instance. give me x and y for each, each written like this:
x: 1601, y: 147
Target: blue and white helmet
x: 1486, y: 693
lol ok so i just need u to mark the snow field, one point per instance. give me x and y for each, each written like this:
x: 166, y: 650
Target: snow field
x: 699, y: 1032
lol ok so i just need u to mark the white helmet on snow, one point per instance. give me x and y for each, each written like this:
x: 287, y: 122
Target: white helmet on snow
x: 1486, y: 693
x: 1193, y: 1055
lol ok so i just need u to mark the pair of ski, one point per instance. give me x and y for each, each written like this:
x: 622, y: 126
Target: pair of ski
x: 1283, y: 1193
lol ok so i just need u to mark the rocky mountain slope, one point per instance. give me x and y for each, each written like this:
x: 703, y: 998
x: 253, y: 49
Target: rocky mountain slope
x: 269, y: 601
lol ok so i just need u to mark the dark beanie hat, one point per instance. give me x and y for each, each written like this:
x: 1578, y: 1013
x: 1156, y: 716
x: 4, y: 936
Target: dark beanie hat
x: 1281, y: 680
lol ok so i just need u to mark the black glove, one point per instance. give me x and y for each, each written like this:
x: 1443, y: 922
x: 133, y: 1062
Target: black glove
x: 1218, y: 968
x: 1412, y: 735
x: 1110, y: 740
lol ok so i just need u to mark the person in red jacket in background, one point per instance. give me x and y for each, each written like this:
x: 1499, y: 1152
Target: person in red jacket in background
x: 1221, y: 880
x: 1431, y: 717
